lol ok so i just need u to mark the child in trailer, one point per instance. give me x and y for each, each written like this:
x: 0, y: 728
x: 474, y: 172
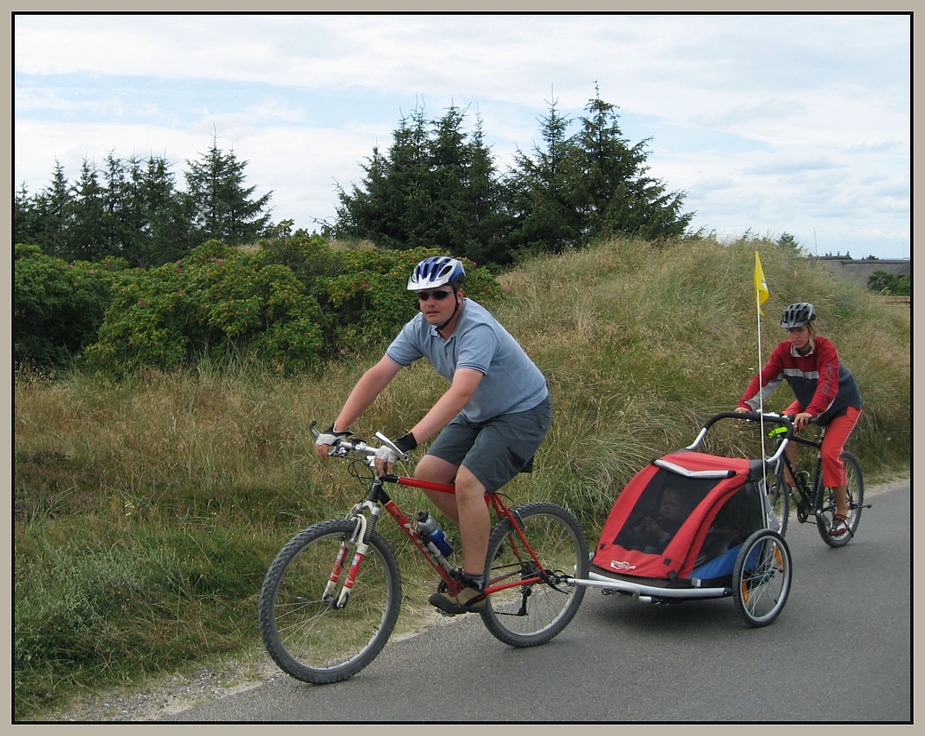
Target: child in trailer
x: 653, y: 533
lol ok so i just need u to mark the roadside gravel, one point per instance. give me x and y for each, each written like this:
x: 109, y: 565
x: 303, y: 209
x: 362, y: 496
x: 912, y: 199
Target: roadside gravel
x: 172, y: 694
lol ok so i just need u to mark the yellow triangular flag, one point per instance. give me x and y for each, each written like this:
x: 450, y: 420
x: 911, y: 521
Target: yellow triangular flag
x: 761, y: 286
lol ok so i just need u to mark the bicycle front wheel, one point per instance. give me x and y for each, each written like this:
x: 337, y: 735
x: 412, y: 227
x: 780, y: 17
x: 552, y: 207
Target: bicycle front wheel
x: 779, y: 497
x: 825, y: 515
x: 539, y: 604
x: 307, y: 632
x: 761, y: 577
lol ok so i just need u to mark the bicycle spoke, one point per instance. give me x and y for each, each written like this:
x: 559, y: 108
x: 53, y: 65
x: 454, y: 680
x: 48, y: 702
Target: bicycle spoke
x: 535, y: 611
x: 825, y: 517
x: 308, y: 635
x: 762, y: 577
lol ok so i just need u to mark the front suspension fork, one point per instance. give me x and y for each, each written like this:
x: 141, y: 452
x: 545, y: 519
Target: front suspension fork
x: 361, y: 532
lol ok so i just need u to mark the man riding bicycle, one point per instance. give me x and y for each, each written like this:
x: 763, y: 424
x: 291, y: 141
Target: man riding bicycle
x: 491, y: 419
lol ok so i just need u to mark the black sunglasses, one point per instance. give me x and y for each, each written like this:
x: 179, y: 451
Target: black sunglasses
x: 438, y: 295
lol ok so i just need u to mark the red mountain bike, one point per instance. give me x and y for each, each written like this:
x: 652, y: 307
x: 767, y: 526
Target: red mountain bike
x: 331, y: 597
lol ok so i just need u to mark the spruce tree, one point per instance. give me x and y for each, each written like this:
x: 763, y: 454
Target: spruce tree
x: 487, y: 208
x: 435, y: 187
x: 614, y: 195
x: 593, y: 184
x: 53, y: 215
x: 87, y: 205
x: 165, y: 216
x: 220, y: 205
x: 542, y: 190
x: 25, y: 217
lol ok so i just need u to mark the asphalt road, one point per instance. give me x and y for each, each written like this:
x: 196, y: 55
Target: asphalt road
x: 839, y: 651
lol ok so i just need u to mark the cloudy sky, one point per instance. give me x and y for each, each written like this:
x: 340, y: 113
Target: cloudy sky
x: 769, y: 123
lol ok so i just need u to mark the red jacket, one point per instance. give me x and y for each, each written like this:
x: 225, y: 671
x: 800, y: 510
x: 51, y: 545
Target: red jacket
x: 820, y: 383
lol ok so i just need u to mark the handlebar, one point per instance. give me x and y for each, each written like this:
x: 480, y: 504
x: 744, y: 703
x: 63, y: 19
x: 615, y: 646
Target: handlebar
x: 777, y: 431
x: 343, y: 446
x: 752, y: 416
x: 783, y: 421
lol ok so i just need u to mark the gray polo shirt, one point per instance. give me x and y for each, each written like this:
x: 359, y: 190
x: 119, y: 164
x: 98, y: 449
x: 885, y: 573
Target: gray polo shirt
x: 512, y: 382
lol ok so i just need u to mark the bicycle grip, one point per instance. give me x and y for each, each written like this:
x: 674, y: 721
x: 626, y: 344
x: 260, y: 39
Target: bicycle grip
x: 403, y: 456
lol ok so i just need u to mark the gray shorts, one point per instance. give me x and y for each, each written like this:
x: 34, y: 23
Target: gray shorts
x: 497, y: 450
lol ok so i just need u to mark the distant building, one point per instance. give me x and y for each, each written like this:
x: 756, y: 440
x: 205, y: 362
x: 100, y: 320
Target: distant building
x: 861, y: 270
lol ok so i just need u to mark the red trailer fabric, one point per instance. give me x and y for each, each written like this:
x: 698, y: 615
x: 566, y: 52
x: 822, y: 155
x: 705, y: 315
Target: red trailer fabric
x: 720, y: 506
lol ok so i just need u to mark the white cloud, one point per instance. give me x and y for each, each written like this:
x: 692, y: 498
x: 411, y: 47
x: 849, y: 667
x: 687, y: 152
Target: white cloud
x: 771, y: 109
x: 769, y: 122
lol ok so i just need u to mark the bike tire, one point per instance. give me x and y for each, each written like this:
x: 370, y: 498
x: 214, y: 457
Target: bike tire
x: 779, y: 497
x: 762, y: 577
x: 825, y: 512
x: 306, y: 635
x: 532, y: 614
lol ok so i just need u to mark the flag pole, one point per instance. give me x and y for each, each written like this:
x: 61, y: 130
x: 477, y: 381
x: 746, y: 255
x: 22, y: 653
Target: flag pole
x: 760, y: 391
x: 761, y: 296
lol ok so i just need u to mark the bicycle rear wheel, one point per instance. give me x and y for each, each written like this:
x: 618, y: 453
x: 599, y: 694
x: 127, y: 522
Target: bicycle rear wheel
x: 825, y: 514
x: 761, y: 577
x: 534, y: 612
x: 304, y: 630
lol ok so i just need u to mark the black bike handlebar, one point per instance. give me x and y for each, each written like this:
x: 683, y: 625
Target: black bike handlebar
x: 751, y: 416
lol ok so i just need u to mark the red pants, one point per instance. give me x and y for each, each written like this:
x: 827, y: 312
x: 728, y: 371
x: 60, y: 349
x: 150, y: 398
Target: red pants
x: 836, y: 434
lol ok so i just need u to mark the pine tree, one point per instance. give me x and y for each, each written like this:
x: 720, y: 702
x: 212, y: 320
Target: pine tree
x: 436, y: 187
x: 614, y: 193
x: 87, y: 205
x: 221, y: 207
x: 543, y: 189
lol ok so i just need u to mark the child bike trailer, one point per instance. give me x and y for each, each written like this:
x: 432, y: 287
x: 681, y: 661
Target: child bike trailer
x: 695, y: 525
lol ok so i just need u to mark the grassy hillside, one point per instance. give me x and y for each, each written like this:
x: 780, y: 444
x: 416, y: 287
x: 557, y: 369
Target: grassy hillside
x: 148, y: 511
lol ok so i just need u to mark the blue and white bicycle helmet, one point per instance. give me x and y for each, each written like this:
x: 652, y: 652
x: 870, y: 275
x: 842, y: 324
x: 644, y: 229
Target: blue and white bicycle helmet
x: 797, y: 315
x: 437, y: 271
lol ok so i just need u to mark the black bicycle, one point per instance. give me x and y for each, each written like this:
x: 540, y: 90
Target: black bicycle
x: 811, y: 498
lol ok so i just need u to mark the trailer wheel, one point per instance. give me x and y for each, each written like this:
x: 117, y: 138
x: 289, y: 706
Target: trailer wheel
x: 761, y: 577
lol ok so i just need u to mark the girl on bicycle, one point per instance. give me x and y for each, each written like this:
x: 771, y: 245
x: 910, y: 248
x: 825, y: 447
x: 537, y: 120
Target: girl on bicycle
x: 824, y: 390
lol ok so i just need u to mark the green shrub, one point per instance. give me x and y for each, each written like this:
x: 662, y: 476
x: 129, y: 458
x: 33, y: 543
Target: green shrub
x: 886, y: 283
x: 58, y: 307
x: 284, y: 304
x: 368, y: 300
x: 219, y: 304
x: 309, y: 257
